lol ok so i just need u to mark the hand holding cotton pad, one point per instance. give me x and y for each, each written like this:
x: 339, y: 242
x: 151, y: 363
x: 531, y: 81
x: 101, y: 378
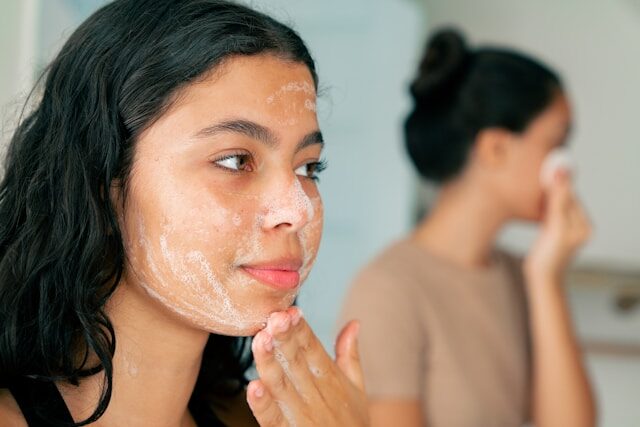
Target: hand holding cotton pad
x: 557, y: 159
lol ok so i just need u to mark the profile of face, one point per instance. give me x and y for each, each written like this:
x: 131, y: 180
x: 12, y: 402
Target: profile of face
x: 221, y: 217
x: 518, y: 178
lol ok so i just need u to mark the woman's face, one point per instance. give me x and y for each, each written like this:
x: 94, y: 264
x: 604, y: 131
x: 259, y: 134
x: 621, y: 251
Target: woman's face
x: 522, y: 189
x: 222, y: 217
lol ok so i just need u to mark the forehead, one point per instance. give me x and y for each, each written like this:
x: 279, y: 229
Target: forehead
x: 243, y: 84
x: 265, y: 89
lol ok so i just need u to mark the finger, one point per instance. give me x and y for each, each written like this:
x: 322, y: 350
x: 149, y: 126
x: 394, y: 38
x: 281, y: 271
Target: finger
x: 319, y: 362
x: 287, y: 351
x: 271, y: 373
x: 263, y: 406
x: 578, y: 214
x: 559, y: 201
x: 347, y: 355
x: 581, y: 225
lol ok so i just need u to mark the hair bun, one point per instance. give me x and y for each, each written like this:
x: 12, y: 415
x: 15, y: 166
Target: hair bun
x: 442, y: 64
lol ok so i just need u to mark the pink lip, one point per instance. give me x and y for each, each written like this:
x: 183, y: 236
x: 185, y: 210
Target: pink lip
x: 280, y: 274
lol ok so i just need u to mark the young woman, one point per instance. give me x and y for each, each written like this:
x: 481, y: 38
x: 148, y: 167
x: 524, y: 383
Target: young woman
x: 159, y: 204
x: 455, y: 332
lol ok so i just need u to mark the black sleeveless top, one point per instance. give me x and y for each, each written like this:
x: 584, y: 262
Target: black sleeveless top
x: 42, y: 405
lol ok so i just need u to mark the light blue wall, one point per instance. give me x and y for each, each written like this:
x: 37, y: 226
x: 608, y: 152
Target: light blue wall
x: 365, y: 51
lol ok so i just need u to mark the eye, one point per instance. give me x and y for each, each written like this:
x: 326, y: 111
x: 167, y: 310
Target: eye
x: 239, y: 162
x: 311, y: 170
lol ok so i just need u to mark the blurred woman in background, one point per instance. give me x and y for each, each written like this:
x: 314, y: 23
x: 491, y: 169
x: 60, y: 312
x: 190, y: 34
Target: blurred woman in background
x: 455, y: 332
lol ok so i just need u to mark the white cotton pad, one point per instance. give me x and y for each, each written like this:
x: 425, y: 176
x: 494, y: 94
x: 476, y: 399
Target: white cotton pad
x: 557, y: 159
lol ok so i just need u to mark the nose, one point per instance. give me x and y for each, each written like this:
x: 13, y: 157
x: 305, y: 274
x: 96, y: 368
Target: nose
x: 286, y: 205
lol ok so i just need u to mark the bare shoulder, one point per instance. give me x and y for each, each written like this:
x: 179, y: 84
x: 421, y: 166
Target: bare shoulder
x: 10, y: 414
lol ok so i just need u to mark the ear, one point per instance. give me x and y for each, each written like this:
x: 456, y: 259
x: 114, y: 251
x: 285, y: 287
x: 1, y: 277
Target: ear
x: 493, y: 147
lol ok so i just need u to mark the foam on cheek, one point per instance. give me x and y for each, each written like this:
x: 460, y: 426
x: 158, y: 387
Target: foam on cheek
x: 199, y: 295
x: 308, y: 236
x: 251, y: 247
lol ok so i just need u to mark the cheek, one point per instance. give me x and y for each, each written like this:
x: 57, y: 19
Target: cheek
x: 310, y: 237
x: 525, y: 189
x: 182, y: 250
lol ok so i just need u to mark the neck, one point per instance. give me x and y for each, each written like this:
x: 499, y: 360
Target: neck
x: 462, y: 226
x: 155, y: 366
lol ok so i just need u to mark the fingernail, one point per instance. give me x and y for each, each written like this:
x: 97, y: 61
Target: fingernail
x: 282, y: 323
x: 272, y: 322
x: 296, y: 316
x: 258, y: 391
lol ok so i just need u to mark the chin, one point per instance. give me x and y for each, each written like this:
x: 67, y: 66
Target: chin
x: 244, y: 329
x: 247, y: 324
x: 248, y: 330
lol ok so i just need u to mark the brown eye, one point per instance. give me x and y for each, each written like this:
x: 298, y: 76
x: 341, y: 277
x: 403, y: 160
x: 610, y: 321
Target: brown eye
x: 235, y: 162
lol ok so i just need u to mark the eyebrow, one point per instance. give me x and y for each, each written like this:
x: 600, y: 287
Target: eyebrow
x: 257, y: 132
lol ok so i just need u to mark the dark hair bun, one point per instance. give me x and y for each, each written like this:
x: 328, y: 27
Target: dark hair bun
x: 460, y: 91
x: 442, y: 64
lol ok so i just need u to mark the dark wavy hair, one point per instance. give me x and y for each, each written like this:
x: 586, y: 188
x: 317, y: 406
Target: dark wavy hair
x: 459, y: 91
x: 61, y: 250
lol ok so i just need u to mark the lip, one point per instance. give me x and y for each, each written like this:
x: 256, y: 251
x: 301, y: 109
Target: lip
x: 281, y: 274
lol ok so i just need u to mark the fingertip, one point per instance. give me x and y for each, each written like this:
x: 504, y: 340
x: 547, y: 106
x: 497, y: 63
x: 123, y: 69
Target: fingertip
x: 347, y: 335
x: 255, y: 396
x: 278, y: 322
x: 262, y: 342
x: 255, y: 389
x: 347, y: 354
x: 296, y: 315
x: 353, y: 342
x: 356, y: 328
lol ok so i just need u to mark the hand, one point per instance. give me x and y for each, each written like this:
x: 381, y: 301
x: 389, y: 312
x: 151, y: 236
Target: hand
x: 299, y: 384
x: 564, y: 230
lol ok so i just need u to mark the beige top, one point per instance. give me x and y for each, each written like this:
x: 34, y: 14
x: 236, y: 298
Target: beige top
x: 455, y: 339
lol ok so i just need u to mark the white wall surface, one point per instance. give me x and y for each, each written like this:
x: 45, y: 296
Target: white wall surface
x: 17, y: 48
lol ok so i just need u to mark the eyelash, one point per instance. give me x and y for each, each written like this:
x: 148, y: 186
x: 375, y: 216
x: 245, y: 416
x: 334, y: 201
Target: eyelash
x: 316, y: 167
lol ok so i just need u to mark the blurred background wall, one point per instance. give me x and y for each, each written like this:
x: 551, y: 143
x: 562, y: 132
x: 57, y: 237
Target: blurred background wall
x: 595, y: 45
x: 366, y: 53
